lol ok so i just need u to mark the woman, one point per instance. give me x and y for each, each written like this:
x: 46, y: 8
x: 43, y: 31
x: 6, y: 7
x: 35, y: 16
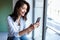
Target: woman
x: 16, y: 22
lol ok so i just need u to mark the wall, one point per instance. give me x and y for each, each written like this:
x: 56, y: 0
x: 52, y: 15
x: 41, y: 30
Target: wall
x: 5, y: 10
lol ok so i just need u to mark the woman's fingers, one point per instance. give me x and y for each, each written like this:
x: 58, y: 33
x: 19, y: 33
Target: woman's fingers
x: 36, y: 24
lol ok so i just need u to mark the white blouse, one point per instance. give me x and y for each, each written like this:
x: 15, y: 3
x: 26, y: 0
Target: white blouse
x: 13, y: 28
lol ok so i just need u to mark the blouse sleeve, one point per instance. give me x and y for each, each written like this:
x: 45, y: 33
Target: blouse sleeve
x: 12, y: 27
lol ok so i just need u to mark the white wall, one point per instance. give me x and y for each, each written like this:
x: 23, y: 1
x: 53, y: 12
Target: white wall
x: 14, y: 1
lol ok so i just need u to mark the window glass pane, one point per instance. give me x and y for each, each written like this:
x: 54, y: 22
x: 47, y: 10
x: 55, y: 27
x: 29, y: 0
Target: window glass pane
x: 53, y: 20
x: 38, y: 13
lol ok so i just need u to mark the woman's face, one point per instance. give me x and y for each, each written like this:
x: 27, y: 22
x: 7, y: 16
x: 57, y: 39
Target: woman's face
x: 22, y: 10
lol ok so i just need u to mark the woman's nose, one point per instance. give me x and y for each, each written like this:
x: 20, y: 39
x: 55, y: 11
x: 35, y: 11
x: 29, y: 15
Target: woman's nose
x: 25, y: 10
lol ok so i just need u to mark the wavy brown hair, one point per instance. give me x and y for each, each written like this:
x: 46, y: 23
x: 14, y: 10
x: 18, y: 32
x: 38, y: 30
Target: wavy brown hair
x: 19, y: 4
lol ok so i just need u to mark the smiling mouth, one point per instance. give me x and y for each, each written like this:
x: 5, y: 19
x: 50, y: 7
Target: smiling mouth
x: 23, y: 12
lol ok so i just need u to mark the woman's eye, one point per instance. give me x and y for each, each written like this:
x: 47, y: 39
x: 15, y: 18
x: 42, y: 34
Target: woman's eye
x: 23, y: 8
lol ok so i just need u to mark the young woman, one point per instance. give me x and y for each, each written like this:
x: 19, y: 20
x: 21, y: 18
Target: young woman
x: 16, y: 22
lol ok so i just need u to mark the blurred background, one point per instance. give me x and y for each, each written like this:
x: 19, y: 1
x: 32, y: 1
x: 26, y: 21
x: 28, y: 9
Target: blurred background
x: 48, y: 10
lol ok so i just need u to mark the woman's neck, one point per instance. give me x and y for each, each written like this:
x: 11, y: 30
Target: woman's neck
x: 19, y: 16
x: 18, y: 19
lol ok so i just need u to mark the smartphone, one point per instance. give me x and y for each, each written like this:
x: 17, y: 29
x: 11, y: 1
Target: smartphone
x: 38, y: 19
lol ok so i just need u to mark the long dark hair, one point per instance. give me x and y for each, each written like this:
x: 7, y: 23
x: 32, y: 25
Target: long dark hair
x: 19, y: 4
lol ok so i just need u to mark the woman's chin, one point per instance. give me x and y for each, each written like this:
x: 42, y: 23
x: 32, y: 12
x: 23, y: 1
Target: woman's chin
x: 22, y: 15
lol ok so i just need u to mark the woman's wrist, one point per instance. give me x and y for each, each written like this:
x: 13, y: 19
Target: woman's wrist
x: 31, y: 28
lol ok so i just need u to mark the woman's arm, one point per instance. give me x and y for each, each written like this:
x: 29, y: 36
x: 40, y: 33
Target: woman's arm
x: 12, y: 27
x: 25, y: 31
x: 29, y: 29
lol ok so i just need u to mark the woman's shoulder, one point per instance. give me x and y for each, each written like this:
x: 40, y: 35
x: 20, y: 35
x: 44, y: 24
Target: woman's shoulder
x: 9, y: 18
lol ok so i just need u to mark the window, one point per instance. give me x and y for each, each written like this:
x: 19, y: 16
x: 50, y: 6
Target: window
x: 53, y: 19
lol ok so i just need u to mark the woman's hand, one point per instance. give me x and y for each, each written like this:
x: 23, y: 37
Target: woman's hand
x: 37, y: 24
